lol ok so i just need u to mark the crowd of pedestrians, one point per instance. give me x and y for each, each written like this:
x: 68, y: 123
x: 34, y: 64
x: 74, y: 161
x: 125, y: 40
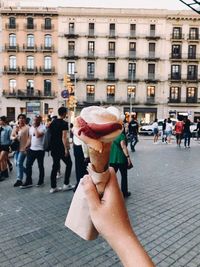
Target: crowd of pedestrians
x: 28, y: 143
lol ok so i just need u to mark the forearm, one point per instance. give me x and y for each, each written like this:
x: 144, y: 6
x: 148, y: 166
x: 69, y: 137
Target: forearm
x: 130, y: 251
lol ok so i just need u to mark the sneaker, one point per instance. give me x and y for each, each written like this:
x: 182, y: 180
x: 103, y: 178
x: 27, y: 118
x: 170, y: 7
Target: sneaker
x: 127, y: 194
x: 55, y: 190
x: 17, y: 183
x: 67, y: 187
x: 59, y: 175
x: 26, y: 185
x: 39, y: 184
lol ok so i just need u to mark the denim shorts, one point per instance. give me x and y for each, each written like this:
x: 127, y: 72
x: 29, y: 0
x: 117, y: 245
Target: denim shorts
x: 168, y: 133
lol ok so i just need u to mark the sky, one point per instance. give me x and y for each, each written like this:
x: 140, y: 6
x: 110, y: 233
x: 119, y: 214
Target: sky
x: 159, y: 4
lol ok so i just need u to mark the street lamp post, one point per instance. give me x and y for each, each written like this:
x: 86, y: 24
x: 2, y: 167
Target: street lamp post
x: 75, y: 93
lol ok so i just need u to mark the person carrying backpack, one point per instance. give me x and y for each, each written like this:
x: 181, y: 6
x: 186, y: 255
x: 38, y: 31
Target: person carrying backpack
x: 179, y: 126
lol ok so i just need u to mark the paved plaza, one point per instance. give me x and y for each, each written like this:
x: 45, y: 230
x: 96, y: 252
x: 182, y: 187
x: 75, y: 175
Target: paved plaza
x: 164, y: 209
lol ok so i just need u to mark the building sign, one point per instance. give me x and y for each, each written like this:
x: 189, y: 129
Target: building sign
x: 32, y: 109
x: 65, y: 94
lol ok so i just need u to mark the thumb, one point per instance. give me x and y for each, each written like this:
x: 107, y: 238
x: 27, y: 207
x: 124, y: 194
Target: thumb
x: 91, y: 193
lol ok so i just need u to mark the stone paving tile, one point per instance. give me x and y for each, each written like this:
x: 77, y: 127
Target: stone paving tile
x: 163, y: 208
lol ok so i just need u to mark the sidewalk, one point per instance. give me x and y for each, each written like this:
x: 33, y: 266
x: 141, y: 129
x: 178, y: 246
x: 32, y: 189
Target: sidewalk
x: 164, y: 210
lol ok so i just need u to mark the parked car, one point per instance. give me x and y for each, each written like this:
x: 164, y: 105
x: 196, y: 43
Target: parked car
x: 148, y: 129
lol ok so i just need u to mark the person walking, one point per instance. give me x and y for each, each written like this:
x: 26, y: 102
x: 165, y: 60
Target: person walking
x: 21, y: 133
x: 133, y: 132
x: 187, y: 133
x: 35, y: 150
x: 155, y: 131
x: 168, y: 130
x: 60, y: 150
x: 198, y: 129
x: 5, y: 133
x: 179, y: 131
x: 120, y: 160
x: 163, y: 131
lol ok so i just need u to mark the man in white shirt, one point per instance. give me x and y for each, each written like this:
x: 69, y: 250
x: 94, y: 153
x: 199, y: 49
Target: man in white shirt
x: 36, y: 151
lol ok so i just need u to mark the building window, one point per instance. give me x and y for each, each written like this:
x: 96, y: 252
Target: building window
x: 176, y: 72
x: 176, y: 51
x: 90, y: 90
x: 194, y: 34
x: 30, y: 87
x: 47, y: 87
x: 111, y: 93
x: 132, y: 49
x: 47, y: 23
x: 71, y: 68
x: 111, y: 70
x: 71, y: 28
x: 12, y: 40
x: 30, y: 40
x: 150, y: 92
x: 112, y: 29
x: 132, y: 30
x: 111, y: 49
x: 177, y: 33
x: 91, y: 47
x: 151, y: 71
x: 30, y: 24
x: 90, y: 70
x: 192, y: 51
x: 131, y: 71
x: 192, y: 72
x: 12, y: 63
x: 152, y: 50
x: 12, y: 23
x: 174, y: 94
x: 12, y: 85
x: 91, y: 29
x: 131, y: 91
x: 71, y: 48
x: 48, y: 41
x: 47, y: 63
x: 30, y: 62
x: 152, y: 30
x: 191, y: 96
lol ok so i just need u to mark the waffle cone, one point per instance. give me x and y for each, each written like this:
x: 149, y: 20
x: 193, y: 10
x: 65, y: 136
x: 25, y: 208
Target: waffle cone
x: 100, y: 161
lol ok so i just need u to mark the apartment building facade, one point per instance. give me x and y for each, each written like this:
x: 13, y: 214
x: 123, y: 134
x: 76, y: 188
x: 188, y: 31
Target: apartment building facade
x: 29, y: 61
x: 145, y: 61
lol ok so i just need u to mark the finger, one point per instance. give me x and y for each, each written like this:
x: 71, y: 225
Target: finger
x: 91, y: 193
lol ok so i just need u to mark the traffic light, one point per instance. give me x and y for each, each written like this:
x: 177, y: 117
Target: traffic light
x: 71, y: 102
x: 68, y: 84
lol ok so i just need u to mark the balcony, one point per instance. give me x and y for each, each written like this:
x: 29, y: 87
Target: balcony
x: 112, y: 34
x: 28, y: 48
x: 9, y: 70
x: 192, y: 78
x: 151, y: 78
x: 91, y: 34
x: 31, y: 71
x: 150, y: 100
x: 151, y: 57
x: 176, y: 56
x: 29, y: 93
x: 90, y: 98
x: 11, y: 27
x: 47, y: 27
x: 132, y: 35
x: 132, y: 55
x: 193, y: 37
x: 91, y: 77
x: 71, y: 55
x: 11, y: 48
x: 174, y: 100
x: 71, y: 35
x: 191, y: 100
x: 177, y: 37
x: 45, y: 71
x: 111, y: 78
x: 175, y: 77
x: 91, y: 55
x: 152, y: 36
x: 111, y: 55
x: 110, y: 99
x: 30, y: 26
x: 47, y: 49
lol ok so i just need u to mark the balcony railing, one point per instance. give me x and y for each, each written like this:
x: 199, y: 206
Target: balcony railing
x: 176, y: 55
x: 151, y: 100
x: 132, y: 34
x: 175, y: 76
x: 46, y: 71
x: 13, y: 26
x: 112, y: 34
x: 71, y: 35
x: 192, y: 77
x: 28, y: 70
x: 111, y: 98
x: 47, y: 27
x: 191, y: 100
x: 90, y: 98
x: 174, y: 100
x: 30, y: 26
x: 11, y: 48
x: 91, y: 33
x: 29, y: 48
x: 29, y: 93
x: 11, y: 70
x: 132, y: 54
x: 177, y: 36
x: 193, y: 37
x: 90, y: 53
x: 111, y: 53
x: 47, y: 48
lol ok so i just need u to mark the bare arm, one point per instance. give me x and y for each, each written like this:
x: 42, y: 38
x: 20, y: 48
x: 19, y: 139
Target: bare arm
x: 14, y: 134
x: 65, y: 141
x: 110, y: 218
x: 125, y: 151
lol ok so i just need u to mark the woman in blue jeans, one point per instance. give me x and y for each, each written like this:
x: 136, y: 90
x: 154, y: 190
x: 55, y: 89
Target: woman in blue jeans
x: 20, y: 132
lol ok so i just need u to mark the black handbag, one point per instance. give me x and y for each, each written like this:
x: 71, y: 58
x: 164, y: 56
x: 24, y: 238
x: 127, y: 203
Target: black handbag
x: 14, y: 145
